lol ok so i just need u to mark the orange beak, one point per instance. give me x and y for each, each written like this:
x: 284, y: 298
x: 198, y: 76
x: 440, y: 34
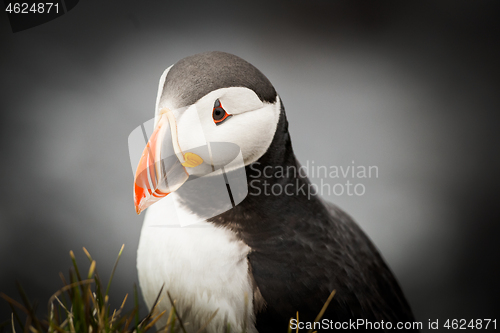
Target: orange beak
x: 162, y: 167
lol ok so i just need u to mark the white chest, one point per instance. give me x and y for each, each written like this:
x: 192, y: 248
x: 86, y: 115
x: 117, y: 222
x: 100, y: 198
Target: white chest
x: 204, y: 268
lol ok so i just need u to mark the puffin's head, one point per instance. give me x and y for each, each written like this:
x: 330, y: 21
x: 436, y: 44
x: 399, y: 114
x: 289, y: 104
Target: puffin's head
x: 208, y: 106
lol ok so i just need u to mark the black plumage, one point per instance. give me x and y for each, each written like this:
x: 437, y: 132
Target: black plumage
x: 303, y: 248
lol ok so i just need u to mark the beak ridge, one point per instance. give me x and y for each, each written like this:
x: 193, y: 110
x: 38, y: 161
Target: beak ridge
x: 161, y: 169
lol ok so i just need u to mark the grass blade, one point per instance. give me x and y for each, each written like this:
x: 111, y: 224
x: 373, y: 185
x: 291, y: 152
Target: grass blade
x: 322, y: 312
x: 88, y: 254
x: 208, y: 321
x: 73, y: 259
x: 136, y: 302
x: 114, y: 269
x: 29, y: 307
x: 177, y: 313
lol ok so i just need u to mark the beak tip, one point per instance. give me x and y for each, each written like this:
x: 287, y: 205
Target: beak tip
x: 139, y: 196
x: 139, y: 207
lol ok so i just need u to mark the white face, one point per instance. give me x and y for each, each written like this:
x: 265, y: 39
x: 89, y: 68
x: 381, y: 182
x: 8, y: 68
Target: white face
x: 251, y: 126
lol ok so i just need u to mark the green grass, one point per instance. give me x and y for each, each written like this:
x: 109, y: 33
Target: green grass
x: 82, y: 306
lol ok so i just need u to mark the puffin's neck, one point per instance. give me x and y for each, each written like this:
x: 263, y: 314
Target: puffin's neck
x: 264, y: 213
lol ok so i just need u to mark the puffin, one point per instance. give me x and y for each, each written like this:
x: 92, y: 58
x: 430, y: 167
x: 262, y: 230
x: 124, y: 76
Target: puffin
x: 243, y: 258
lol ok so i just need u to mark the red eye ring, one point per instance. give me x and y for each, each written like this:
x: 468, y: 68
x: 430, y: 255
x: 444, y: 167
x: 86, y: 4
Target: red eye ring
x: 219, y: 115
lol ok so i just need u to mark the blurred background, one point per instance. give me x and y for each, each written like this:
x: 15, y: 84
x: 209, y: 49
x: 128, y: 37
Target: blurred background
x: 409, y: 87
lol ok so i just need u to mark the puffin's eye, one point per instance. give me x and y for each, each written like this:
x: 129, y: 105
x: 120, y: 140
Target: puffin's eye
x: 219, y: 114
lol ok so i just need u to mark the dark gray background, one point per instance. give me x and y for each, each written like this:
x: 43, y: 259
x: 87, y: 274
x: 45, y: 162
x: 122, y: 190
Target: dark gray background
x: 411, y: 88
